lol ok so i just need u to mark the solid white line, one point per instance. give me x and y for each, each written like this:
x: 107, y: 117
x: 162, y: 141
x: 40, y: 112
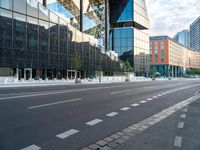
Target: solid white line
x: 112, y: 114
x: 178, y: 141
x: 67, y: 133
x: 32, y: 147
x: 56, y: 103
x: 143, y: 102
x: 149, y: 99
x: 125, y: 108
x: 183, y: 115
x: 119, y: 92
x: 61, y: 92
x: 94, y: 122
x: 135, y: 105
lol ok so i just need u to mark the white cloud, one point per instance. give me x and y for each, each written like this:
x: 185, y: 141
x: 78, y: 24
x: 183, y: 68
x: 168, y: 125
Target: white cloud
x: 167, y: 17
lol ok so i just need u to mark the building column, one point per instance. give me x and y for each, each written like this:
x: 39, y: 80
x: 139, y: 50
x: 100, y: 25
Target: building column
x: 106, y: 23
x: 81, y: 15
x: 17, y: 73
x: 44, y: 2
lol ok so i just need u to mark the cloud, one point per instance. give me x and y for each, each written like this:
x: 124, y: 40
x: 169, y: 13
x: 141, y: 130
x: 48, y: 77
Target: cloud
x: 167, y: 17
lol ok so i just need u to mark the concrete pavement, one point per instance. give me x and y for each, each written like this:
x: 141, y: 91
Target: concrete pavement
x: 74, y: 117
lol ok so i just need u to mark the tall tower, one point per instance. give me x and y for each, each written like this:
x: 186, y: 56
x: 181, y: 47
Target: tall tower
x: 195, y: 34
x: 129, y: 36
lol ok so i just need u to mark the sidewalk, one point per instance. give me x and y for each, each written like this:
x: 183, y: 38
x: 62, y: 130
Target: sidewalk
x: 72, y: 82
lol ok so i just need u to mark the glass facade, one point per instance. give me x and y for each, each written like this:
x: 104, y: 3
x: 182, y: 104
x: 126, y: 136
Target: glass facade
x: 34, y: 38
x: 129, y: 35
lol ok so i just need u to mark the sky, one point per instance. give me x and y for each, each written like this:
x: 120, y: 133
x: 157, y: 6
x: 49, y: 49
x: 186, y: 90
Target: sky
x: 167, y: 17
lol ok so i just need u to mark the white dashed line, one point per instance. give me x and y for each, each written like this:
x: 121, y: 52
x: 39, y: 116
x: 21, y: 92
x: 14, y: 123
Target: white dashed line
x: 155, y: 97
x: 32, y: 147
x: 56, y: 103
x: 112, y: 114
x: 149, y: 99
x: 159, y: 95
x: 94, y: 122
x: 183, y: 115
x: 180, y: 125
x: 143, y: 102
x: 67, y: 133
x: 185, y: 110
x: 178, y: 141
x: 125, y: 108
x: 135, y: 105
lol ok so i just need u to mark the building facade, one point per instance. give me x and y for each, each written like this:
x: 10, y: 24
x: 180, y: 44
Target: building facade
x: 129, y: 36
x: 56, y: 38
x: 169, y: 58
x: 183, y: 37
x: 195, y: 34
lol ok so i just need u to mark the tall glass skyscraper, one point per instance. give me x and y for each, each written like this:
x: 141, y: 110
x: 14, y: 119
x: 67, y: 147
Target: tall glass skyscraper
x: 183, y: 37
x: 129, y: 37
x: 195, y: 34
x: 42, y: 38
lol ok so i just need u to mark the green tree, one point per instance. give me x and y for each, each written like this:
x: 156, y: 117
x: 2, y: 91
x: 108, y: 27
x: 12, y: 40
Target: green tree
x: 76, y: 62
x: 127, y: 66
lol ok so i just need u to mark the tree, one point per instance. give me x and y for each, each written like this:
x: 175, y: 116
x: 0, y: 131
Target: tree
x: 127, y: 66
x: 153, y: 72
x: 76, y: 62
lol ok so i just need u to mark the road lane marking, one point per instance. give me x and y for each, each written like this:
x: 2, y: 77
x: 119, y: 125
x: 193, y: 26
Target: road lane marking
x: 67, y: 133
x: 143, y: 102
x: 135, y: 105
x: 183, y: 115
x: 180, y: 125
x: 32, y: 147
x: 94, y: 122
x: 159, y: 95
x: 149, y: 99
x: 178, y: 141
x: 61, y: 92
x: 185, y: 110
x: 138, y: 127
x: 56, y: 103
x: 120, y: 92
x: 125, y: 108
x: 112, y: 114
x: 155, y: 97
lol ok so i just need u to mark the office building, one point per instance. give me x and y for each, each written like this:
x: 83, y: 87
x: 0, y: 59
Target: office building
x: 170, y: 58
x: 56, y: 38
x: 195, y: 34
x: 183, y: 37
x: 129, y: 36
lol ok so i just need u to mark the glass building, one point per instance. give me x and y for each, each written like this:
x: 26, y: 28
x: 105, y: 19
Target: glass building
x: 129, y: 36
x: 183, y: 37
x: 55, y: 38
x: 195, y: 34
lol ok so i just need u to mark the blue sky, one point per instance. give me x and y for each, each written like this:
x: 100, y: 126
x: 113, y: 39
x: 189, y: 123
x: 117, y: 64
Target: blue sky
x: 167, y: 17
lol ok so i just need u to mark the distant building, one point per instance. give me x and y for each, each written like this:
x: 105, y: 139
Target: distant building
x: 183, y: 37
x: 195, y: 34
x: 169, y: 58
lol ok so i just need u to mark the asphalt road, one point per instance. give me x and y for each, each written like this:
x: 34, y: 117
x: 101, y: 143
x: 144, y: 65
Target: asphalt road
x: 73, y: 117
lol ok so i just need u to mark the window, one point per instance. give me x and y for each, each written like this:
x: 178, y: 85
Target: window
x: 6, y: 4
x: 19, y: 6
